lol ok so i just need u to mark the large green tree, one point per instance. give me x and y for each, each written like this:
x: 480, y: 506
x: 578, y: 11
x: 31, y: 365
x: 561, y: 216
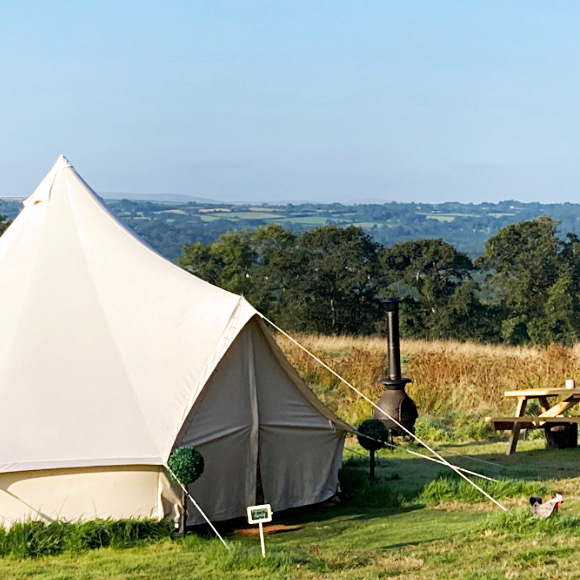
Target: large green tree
x: 227, y: 263
x: 533, y: 276
x: 336, y: 290
x: 439, y: 295
x: 277, y: 266
x: 4, y: 223
x: 321, y: 281
x: 524, y: 289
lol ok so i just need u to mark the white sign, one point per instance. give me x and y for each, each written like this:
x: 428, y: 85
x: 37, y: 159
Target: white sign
x: 258, y: 514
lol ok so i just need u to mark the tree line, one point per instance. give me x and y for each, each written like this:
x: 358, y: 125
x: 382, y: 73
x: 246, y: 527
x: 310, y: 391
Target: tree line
x: 524, y: 289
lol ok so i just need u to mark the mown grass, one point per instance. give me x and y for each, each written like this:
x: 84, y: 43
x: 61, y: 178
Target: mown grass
x: 412, y: 523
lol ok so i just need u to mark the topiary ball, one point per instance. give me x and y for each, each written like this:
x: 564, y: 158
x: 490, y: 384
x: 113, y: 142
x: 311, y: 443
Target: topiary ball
x: 372, y: 428
x: 187, y: 465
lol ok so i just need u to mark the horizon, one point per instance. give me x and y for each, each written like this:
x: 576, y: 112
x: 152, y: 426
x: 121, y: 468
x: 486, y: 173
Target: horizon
x: 186, y: 198
x: 328, y: 102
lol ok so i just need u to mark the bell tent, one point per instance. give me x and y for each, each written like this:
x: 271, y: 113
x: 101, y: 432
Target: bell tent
x: 111, y: 357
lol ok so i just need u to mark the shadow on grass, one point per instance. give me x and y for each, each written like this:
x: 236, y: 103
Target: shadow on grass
x: 407, y: 484
x: 407, y: 544
x: 378, y: 513
x: 528, y: 463
x: 312, y: 514
x: 475, y: 444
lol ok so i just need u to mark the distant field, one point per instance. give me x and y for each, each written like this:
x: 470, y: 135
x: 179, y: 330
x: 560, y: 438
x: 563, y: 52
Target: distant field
x: 315, y: 220
x: 441, y: 218
x: 311, y: 220
x: 175, y: 211
x: 253, y: 215
x: 387, y: 223
x: 241, y: 215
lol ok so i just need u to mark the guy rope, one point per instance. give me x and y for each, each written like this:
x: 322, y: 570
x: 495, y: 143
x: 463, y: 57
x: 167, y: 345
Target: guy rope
x: 395, y: 421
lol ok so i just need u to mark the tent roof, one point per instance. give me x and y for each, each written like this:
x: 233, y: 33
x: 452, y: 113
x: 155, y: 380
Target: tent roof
x: 104, y: 345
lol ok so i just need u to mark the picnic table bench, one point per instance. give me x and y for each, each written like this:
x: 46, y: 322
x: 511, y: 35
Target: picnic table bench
x: 552, y: 412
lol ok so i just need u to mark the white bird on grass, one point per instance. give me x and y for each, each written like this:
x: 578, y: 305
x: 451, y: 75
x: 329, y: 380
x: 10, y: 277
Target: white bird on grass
x: 545, y: 510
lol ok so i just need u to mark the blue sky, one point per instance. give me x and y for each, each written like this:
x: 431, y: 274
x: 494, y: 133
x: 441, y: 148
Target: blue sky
x: 424, y: 101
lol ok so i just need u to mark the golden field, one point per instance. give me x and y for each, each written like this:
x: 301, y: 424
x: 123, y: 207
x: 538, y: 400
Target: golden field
x: 458, y: 381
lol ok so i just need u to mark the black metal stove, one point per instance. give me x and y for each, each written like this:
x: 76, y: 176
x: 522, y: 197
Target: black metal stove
x: 395, y: 401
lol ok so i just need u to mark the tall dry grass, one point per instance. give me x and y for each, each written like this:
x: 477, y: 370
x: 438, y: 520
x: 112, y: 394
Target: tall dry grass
x: 463, y: 380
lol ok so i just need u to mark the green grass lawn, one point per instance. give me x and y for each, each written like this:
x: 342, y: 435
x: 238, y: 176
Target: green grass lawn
x: 392, y: 529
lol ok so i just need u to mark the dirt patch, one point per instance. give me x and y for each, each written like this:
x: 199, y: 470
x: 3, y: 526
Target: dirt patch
x: 273, y: 529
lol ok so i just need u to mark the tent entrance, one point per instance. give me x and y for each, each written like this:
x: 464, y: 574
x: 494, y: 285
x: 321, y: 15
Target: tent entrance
x: 262, y: 437
x: 259, y: 487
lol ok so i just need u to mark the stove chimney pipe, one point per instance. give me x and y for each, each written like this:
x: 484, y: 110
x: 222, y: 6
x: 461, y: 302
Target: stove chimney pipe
x: 395, y: 401
x: 394, y: 381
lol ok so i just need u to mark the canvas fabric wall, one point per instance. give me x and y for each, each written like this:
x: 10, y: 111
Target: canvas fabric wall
x: 104, y: 344
x: 252, y: 410
x: 78, y: 494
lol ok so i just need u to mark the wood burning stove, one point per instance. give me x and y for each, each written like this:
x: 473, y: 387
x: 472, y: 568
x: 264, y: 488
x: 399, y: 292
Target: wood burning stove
x: 395, y: 401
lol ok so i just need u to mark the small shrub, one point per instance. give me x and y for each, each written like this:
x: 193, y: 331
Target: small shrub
x: 372, y: 434
x: 186, y: 465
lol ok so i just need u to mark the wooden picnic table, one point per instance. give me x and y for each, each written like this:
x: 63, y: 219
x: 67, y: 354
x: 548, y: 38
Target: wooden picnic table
x: 552, y: 412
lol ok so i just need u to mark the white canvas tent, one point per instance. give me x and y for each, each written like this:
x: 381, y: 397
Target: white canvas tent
x: 111, y: 356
